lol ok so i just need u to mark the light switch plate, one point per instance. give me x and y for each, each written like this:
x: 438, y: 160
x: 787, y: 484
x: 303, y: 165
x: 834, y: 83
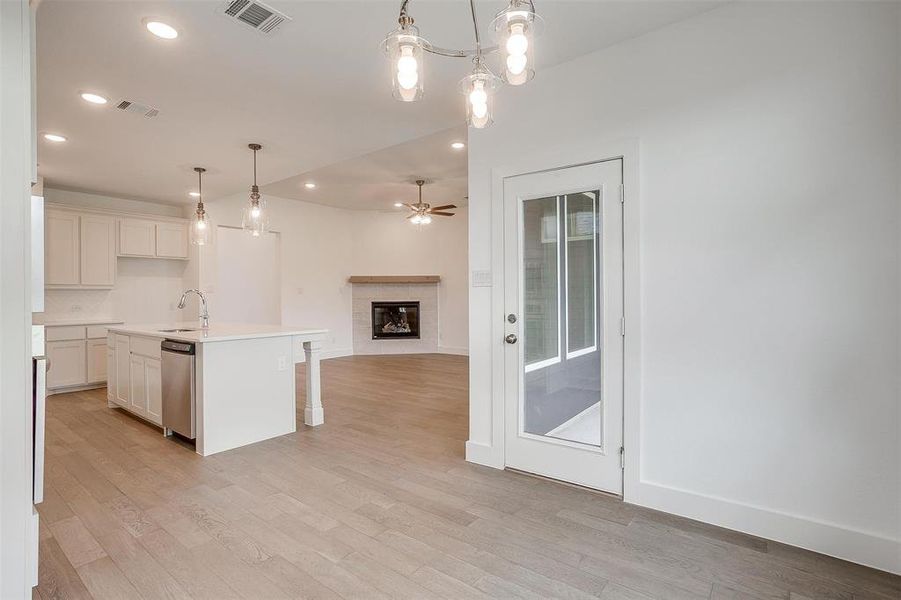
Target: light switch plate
x: 481, y: 278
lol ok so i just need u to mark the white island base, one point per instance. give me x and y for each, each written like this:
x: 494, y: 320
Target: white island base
x: 245, y: 388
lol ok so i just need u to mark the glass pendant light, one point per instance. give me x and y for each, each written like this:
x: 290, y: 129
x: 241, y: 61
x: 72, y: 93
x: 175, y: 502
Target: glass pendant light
x: 515, y: 28
x: 479, y: 87
x: 256, y: 217
x: 200, y: 225
x: 404, y: 49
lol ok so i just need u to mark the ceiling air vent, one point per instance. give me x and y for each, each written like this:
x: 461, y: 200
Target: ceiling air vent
x: 138, y: 109
x: 256, y: 14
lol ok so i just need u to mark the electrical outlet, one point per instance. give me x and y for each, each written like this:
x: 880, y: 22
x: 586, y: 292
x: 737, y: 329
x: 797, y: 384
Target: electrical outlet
x: 282, y: 363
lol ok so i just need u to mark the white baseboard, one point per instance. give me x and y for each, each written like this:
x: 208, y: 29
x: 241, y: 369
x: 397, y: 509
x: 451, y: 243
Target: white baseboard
x: 483, y: 454
x: 866, y: 548
x: 453, y: 350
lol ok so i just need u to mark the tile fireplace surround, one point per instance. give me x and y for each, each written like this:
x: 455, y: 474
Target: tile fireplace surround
x: 415, y: 288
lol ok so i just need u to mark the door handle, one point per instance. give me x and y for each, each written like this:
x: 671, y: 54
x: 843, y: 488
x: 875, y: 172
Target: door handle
x: 511, y: 338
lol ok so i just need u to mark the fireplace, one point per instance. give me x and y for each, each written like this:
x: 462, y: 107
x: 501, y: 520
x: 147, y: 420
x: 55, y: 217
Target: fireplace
x: 395, y: 320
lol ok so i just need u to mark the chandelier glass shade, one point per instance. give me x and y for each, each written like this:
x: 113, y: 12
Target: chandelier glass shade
x: 200, y: 223
x: 515, y: 29
x: 255, y: 217
x: 404, y: 49
x: 479, y: 88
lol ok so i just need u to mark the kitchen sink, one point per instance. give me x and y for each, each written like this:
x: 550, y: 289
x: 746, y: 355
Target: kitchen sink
x: 177, y: 330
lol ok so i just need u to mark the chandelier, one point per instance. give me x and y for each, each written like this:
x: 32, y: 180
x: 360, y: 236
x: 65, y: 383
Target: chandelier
x: 515, y: 28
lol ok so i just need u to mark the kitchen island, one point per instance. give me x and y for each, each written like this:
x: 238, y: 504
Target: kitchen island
x: 243, y: 380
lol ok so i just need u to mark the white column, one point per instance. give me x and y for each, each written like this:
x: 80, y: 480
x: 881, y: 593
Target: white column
x: 312, y: 412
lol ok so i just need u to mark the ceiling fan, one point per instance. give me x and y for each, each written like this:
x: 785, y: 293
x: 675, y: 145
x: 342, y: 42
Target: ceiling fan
x: 422, y: 212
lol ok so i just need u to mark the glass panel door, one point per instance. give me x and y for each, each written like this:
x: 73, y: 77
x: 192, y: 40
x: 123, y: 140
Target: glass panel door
x: 563, y: 297
x: 562, y: 375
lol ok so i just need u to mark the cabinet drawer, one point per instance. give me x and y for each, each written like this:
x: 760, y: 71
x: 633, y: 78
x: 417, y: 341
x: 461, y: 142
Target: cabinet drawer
x: 149, y: 347
x: 98, y: 331
x: 70, y: 332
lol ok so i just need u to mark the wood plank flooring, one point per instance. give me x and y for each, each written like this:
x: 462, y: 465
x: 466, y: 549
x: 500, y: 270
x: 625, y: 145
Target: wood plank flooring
x: 376, y: 503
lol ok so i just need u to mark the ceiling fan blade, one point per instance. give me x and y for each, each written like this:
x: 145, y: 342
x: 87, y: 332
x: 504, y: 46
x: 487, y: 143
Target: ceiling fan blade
x: 410, y: 206
x: 444, y: 207
x: 442, y: 214
x: 411, y: 216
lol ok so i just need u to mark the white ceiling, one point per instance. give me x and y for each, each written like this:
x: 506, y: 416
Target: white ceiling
x: 377, y: 180
x: 315, y: 94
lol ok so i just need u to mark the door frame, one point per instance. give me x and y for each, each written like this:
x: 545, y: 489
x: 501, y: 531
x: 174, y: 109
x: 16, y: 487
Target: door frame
x: 550, y: 160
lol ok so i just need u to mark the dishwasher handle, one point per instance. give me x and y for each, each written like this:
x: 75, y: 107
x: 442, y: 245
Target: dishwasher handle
x: 177, y: 347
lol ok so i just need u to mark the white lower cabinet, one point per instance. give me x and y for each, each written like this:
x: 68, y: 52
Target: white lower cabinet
x: 111, y: 370
x: 77, y: 355
x: 67, y: 364
x: 137, y: 401
x: 96, y: 358
x: 153, y: 389
x: 138, y: 375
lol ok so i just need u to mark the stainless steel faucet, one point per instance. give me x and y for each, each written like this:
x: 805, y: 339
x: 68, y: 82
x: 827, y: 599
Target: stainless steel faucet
x: 204, y: 314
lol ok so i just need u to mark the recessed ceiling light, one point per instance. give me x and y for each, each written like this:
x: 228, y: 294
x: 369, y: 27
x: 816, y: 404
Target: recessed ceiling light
x: 162, y: 30
x: 309, y: 185
x: 398, y: 204
x: 458, y: 145
x: 54, y: 137
x: 194, y: 194
x: 93, y: 98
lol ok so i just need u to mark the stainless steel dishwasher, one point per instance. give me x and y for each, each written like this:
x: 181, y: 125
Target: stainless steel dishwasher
x: 178, y: 388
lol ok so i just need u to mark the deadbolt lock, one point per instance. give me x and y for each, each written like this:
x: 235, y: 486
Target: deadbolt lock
x: 511, y: 318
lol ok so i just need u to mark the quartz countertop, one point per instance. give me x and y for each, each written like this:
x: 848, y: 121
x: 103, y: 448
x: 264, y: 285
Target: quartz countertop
x: 51, y: 322
x: 217, y: 332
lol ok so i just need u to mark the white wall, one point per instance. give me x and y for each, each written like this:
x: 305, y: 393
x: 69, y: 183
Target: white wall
x: 769, y: 263
x: 315, y: 262
x: 322, y: 246
x: 146, y: 290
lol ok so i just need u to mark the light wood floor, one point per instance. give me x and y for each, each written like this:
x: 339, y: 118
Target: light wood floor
x: 377, y: 503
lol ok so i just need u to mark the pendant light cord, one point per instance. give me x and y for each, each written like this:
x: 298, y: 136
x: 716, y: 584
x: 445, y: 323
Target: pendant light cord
x: 254, y: 166
x: 200, y: 190
x: 475, y: 26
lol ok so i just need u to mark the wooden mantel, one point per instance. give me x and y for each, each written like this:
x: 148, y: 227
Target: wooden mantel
x: 394, y: 278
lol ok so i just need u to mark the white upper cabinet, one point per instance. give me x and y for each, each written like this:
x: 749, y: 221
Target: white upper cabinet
x: 172, y: 240
x: 81, y: 246
x: 153, y: 239
x: 137, y: 237
x: 98, y: 250
x: 61, y: 249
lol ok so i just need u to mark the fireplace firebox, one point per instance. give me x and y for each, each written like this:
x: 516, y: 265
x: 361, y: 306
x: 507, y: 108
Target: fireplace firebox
x: 395, y: 320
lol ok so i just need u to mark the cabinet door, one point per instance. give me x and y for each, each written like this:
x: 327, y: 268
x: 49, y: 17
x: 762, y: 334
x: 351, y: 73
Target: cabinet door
x: 123, y: 366
x: 98, y: 250
x: 67, y: 364
x: 61, y: 251
x: 172, y: 240
x: 137, y: 238
x: 96, y: 351
x: 137, y: 390
x: 153, y: 386
x: 111, y: 375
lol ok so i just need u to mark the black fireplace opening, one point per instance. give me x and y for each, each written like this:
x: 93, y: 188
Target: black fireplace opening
x: 395, y: 320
